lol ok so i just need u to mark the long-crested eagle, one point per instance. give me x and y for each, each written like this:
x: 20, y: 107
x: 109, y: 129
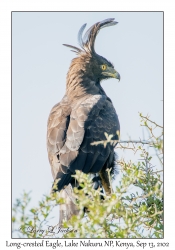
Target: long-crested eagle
x: 82, y: 117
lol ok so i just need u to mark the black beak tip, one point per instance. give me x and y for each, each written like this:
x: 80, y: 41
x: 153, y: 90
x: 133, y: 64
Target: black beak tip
x: 119, y: 77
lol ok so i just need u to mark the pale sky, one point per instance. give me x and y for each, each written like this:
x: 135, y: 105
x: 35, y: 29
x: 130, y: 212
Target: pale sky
x: 39, y: 66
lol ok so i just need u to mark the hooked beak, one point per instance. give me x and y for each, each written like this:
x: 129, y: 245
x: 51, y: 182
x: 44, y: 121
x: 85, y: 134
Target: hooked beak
x: 116, y: 75
x: 111, y: 72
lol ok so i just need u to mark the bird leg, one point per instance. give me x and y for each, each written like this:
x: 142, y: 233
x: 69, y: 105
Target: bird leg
x: 104, y: 175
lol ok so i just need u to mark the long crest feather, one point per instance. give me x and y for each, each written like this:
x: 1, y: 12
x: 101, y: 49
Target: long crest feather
x: 91, y: 33
x: 87, y: 41
x: 77, y: 50
x: 80, y: 40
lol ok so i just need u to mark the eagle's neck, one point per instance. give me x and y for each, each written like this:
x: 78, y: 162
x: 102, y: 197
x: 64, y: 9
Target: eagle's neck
x: 81, y: 87
x: 80, y: 83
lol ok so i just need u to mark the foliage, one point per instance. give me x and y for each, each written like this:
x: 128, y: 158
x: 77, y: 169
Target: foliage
x: 133, y: 210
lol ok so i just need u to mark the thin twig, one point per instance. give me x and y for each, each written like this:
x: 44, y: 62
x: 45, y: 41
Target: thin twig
x: 145, y: 117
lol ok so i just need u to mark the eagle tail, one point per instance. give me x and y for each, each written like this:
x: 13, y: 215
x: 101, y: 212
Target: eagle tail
x: 68, y: 208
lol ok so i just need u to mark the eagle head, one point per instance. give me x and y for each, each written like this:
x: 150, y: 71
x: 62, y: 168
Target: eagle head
x: 89, y: 64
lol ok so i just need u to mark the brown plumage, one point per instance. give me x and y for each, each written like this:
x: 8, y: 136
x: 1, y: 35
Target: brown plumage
x: 83, y: 116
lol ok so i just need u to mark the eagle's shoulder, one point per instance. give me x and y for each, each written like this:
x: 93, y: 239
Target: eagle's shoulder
x: 57, y: 125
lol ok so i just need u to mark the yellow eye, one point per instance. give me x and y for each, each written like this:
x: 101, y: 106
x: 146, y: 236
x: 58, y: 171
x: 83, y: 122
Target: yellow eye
x: 103, y: 67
